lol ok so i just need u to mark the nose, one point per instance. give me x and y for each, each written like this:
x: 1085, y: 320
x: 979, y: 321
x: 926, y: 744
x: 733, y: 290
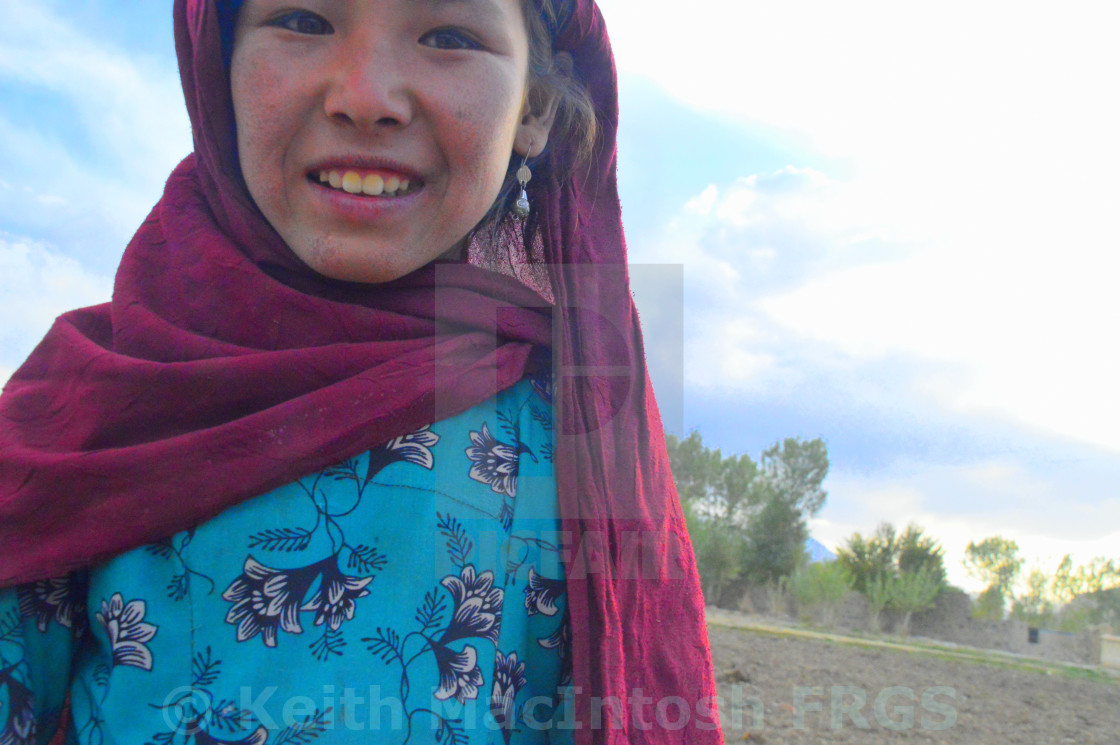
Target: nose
x: 369, y: 87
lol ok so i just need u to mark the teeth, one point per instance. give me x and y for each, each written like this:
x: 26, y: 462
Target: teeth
x: 372, y: 185
x: 352, y: 183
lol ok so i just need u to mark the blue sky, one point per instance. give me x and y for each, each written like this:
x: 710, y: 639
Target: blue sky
x: 895, y: 227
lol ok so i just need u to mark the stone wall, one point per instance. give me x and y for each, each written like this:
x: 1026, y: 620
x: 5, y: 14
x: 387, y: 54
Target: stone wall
x: 950, y: 620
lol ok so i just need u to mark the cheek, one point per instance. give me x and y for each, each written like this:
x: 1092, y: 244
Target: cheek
x: 258, y: 98
x: 484, y: 132
x: 485, y: 157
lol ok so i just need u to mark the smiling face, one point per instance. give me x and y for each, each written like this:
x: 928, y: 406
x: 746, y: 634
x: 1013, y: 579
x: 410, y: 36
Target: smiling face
x: 374, y: 135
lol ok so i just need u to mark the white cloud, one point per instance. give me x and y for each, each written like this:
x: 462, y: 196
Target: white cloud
x: 90, y: 168
x: 38, y: 284
x: 959, y: 504
x: 952, y: 264
x: 795, y: 270
x: 1030, y: 332
x: 972, y: 136
x: 804, y: 293
x: 899, y: 85
x: 741, y: 244
x: 131, y: 107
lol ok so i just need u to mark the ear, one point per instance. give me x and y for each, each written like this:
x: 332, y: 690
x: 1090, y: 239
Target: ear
x: 537, y: 116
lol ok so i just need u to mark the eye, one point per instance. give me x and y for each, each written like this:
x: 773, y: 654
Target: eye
x: 304, y: 22
x: 449, y: 38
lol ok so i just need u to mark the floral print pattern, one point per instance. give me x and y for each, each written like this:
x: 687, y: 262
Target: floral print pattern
x: 259, y: 736
x: 333, y: 602
x: 478, y: 605
x: 59, y: 599
x: 459, y: 675
x: 542, y: 386
x: 493, y: 462
x: 198, y: 713
x: 266, y: 600
x: 128, y: 632
x: 509, y: 679
x: 415, y: 447
x: 413, y: 547
x: 561, y: 641
x: 20, y: 728
x: 542, y: 594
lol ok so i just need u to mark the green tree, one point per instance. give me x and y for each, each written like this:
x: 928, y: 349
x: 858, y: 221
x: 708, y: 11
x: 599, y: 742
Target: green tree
x: 1064, y: 584
x: 885, y: 564
x: 989, y: 604
x: 775, y: 542
x: 1101, y: 579
x: 786, y: 491
x: 867, y: 559
x: 1098, y: 575
x: 1097, y: 582
x: 996, y: 562
x: 1108, y: 607
x: 693, y: 465
x: 1033, y: 606
x: 911, y: 592
x: 823, y: 585
x: 1073, y: 597
x: 738, y: 488
x: 753, y: 511
x: 917, y: 552
x: 717, y: 549
x: 878, y: 594
x: 702, y: 482
x: 795, y: 470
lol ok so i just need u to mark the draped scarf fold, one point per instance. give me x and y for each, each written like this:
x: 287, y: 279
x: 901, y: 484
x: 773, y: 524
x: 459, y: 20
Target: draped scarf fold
x: 223, y: 368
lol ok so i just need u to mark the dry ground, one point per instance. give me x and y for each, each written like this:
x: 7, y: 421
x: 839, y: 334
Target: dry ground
x: 775, y: 688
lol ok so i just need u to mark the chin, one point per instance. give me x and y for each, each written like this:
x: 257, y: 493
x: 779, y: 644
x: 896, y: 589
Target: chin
x: 344, y: 263
x: 366, y: 264
x: 362, y: 272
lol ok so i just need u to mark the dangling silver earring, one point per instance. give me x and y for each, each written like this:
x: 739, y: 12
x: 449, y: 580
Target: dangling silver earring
x: 521, y: 208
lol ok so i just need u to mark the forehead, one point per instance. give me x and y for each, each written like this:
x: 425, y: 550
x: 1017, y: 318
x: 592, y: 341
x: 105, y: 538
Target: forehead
x: 496, y: 7
x: 233, y: 6
x: 232, y: 12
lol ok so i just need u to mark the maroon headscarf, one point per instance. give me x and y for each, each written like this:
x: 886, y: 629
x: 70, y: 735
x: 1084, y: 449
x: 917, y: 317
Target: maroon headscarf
x: 224, y: 368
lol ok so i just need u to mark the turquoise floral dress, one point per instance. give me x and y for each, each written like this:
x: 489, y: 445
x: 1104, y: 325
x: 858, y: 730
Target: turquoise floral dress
x: 411, y: 594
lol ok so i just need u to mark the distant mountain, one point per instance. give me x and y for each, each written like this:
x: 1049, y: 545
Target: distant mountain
x: 817, y: 551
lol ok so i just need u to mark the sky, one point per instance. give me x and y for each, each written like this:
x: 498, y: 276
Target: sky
x: 885, y: 224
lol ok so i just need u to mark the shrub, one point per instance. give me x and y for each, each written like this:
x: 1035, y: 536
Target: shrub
x: 822, y: 585
x: 717, y: 549
x: 989, y: 604
x: 913, y: 591
x: 878, y: 594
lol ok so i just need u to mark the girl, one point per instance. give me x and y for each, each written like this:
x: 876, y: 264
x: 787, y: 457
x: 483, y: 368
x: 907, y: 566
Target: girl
x: 363, y: 449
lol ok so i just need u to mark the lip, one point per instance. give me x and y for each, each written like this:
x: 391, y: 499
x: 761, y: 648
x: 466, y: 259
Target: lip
x: 358, y: 208
x: 365, y: 164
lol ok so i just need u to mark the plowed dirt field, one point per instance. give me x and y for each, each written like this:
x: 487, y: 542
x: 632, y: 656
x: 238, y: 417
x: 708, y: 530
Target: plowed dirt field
x: 778, y: 688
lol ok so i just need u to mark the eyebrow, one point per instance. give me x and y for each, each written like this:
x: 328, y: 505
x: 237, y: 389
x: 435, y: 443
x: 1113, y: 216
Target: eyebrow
x: 487, y: 7
x: 486, y: 4
x: 458, y: 2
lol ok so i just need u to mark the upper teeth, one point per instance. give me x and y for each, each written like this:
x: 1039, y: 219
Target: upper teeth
x: 372, y: 185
